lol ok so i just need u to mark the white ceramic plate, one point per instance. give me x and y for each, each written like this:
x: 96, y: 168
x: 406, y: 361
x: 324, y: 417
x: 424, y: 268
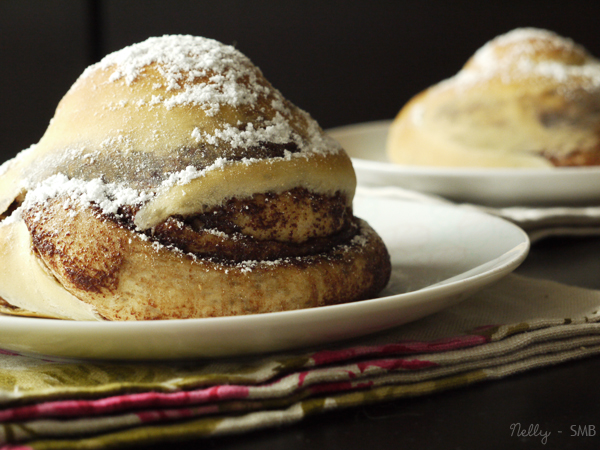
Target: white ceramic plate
x: 564, y: 186
x: 440, y: 255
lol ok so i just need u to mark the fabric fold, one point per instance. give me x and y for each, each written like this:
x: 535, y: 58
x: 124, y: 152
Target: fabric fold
x: 516, y: 325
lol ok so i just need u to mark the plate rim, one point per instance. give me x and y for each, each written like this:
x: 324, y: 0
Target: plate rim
x: 430, y: 293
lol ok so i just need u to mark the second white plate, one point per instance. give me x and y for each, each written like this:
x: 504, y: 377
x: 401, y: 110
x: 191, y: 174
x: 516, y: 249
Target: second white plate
x: 440, y: 255
x: 365, y: 143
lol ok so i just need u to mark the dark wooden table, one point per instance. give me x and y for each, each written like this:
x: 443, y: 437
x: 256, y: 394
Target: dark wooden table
x: 563, y: 400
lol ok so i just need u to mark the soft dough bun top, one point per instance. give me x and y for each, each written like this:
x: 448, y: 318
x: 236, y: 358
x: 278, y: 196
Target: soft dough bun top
x: 529, y: 98
x: 177, y: 125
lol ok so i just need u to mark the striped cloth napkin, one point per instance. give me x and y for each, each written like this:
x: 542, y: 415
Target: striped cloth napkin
x: 515, y: 325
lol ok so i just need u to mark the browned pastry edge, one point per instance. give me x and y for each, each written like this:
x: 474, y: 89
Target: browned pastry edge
x: 124, y: 275
x: 576, y: 158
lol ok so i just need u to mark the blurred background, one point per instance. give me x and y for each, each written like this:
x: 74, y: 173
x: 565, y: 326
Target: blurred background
x: 343, y: 61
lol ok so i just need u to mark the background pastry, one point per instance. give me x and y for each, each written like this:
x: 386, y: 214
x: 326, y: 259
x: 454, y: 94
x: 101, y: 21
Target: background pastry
x: 174, y: 181
x: 529, y: 98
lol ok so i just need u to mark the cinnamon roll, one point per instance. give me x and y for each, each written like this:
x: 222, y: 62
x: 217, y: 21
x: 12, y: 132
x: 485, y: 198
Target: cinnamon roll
x: 175, y: 182
x: 529, y: 98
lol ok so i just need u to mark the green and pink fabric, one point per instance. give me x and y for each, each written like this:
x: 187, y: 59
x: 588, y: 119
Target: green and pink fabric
x: 516, y: 325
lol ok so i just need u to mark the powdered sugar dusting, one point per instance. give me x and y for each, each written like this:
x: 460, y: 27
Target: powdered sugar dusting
x: 109, y: 197
x: 191, y: 173
x: 192, y: 71
x: 195, y: 70
x: 528, y: 53
x: 359, y: 240
x: 206, y: 73
x: 277, y: 131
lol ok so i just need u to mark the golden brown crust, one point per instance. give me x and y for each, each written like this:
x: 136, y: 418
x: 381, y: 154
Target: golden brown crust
x: 125, y: 276
x: 577, y: 158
